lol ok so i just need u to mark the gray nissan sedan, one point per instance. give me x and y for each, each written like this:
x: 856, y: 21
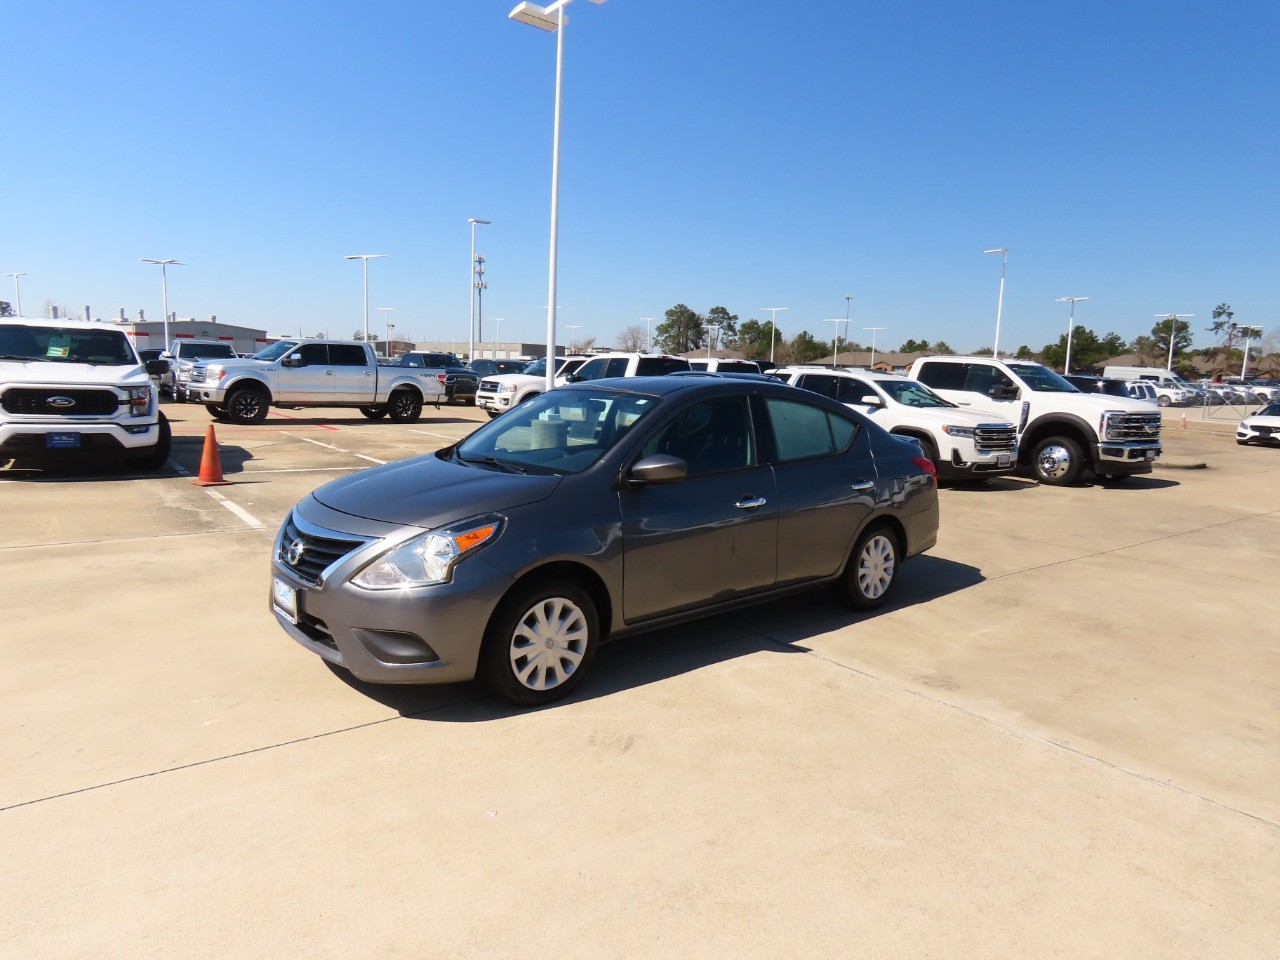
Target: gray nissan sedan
x: 595, y: 511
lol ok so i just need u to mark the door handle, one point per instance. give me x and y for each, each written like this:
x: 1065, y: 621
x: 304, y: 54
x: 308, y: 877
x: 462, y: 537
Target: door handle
x: 368, y: 373
x: 750, y: 503
x: 328, y: 373
x: 865, y: 485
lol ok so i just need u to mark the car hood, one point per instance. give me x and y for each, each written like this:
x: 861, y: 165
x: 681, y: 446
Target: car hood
x: 429, y: 492
x: 55, y: 373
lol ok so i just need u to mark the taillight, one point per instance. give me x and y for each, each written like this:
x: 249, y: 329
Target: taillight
x: 441, y: 378
x: 925, y: 464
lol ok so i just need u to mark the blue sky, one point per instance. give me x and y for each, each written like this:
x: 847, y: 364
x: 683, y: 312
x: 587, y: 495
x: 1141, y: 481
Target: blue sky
x: 746, y: 155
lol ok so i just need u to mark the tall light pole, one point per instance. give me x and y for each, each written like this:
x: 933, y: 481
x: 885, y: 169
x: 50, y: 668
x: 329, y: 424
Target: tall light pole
x: 648, y: 339
x: 835, y: 342
x: 366, y: 257
x: 386, y: 318
x: 17, y: 291
x: 711, y: 336
x: 571, y: 327
x: 1173, y: 319
x: 873, y: 342
x: 164, y: 290
x: 1249, y: 334
x: 1071, y: 326
x: 497, y: 335
x: 1004, y: 263
x: 773, y: 328
x: 550, y: 18
x: 471, y: 289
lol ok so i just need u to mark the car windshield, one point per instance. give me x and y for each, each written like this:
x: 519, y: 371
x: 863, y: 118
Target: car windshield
x: 275, y: 351
x: 565, y: 431
x: 538, y: 368
x: 65, y: 345
x: 909, y: 393
x: 1270, y: 410
x: 1041, y: 379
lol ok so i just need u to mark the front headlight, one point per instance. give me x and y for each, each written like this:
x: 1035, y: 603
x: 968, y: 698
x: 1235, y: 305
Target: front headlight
x: 429, y: 558
x: 507, y: 388
x: 957, y: 431
x: 139, y: 401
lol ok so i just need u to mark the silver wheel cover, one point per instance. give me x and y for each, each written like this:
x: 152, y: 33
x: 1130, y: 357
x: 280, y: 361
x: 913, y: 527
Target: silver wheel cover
x: 548, y: 643
x: 876, y: 566
x: 1054, y: 462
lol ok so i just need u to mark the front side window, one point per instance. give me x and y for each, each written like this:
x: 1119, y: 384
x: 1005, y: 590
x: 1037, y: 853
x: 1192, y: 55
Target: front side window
x: 1041, y: 379
x: 314, y: 354
x: 711, y: 436
x: 981, y: 378
x: 802, y: 431
x: 909, y: 393
x: 276, y: 350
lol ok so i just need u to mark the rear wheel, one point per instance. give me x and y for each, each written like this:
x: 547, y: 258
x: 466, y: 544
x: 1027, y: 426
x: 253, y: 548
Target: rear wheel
x: 539, y: 643
x: 247, y: 405
x: 1057, y: 461
x: 405, y: 406
x: 872, y: 572
x: 374, y: 411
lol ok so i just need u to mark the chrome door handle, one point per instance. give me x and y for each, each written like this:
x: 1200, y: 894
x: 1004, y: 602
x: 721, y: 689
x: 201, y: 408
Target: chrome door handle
x: 750, y: 503
x: 368, y: 373
x: 865, y: 485
x: 328, y: 373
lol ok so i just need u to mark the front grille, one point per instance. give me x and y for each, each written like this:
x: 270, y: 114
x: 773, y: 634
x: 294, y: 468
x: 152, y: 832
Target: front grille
x: 316, y: 629
x: 990, y: 436
x: 315, y: 552
x: 488, y: 386
x: 197, y: 375
x: 1134, y: 427
x: 35, y: 401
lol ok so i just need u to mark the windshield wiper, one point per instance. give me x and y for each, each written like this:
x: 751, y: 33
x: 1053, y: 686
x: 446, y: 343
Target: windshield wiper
x: 14, y: 356
x: 493, y: 462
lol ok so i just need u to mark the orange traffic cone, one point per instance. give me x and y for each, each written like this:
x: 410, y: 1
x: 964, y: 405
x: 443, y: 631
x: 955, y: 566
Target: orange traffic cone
x: 1183, y: 423
x: 210, y: 463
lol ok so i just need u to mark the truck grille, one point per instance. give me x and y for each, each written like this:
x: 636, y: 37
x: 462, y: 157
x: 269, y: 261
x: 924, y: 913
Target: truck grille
x: 196, y: 375
x: 1133, y: 427
x: 991, y: 436
x: 314, y: 553
x: 35, y: 400
x: 488, y: 386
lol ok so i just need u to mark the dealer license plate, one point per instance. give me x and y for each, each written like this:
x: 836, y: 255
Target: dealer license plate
x: 1004, y: 461
x: 62, y: 440
x: 285, y: 599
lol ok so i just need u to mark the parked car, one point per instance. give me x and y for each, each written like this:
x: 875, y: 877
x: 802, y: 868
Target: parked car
x: 963, y: 444
x: 628, y: 365
x: 590, y: 512
x: 1262, y: 427
x: 459, y: 380
x: 486, y: 367
x: 1143, y: 390
x: 500, y: 393
x: 1107, y: 385
x: 182, y: 356
x: 723, y: 365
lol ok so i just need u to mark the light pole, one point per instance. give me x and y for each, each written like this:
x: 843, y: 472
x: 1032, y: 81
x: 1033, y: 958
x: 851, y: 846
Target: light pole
x: 471, y: 289
x: 497, y: 336
x: 1004, y: 262
x: 835, y: 342
x: 1249, y: 334
x: 571, y: 327
x: 481, y: 285
x: 550, y: 18
x: 386, y: 318
x: 1173, y: 319
x: 648, y: 339
x: 366, y: 257
x: 1071, y: 326
x: 773, y: 328
x: 711, y: 336
x: 17, y: 291
x: 873, y: 343
x: 164, y: 290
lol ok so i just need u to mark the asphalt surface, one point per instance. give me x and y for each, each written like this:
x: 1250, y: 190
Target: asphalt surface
x: 1059, y: 741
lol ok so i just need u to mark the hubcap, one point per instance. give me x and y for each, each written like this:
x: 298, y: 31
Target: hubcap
x: 1054, y: 462
x: 548, y: 643
x: 246, y: 405
x: 875, y: 567
x: 404, y: 405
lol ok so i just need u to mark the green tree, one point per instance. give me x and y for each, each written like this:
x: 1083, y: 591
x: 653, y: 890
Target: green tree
x: 943, y: 349
x: 1087, y: 350
x: 915, y: 346
x: 1160, y: 337
x: 983, y: 352
x: 755, y: 338
x: 5, y: 309
x: 803, y: 348
x: 726, y: 336
x: 682, y: 331
x: 1024, y: 352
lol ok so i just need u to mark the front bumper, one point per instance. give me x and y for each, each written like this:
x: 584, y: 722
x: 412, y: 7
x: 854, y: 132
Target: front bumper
x: 31, y: 436
x: 494, y: 402
x: 1126, y: 457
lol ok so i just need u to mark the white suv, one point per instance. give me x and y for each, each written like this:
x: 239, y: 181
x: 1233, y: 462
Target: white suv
x: 498, y: 394
x: 962, y: 444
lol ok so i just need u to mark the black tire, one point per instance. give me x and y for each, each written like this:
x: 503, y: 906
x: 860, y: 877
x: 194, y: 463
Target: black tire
x: 524, y: 663
x: 247, y: 405
x: 1243, y: 443
x: 1162, y: 401
x: 405, y: 406
x: 1057, y: 461
x: 374, y: 411
x: 153, y: 459
x: 872, y: 571
x: 216, y: 410
x: 493, y: 414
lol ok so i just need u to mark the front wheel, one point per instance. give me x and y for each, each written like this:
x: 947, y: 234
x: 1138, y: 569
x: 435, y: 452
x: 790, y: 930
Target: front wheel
x: 1162, y: 401
x: 374, y: 411
x: 247, y: 405
x: 493, y: 414
x: 153, y: 459
x: 872, y: 572
x: 405, y: 406
x: 539, y: 643
x: 216, y: 410
x: 1057, y: 461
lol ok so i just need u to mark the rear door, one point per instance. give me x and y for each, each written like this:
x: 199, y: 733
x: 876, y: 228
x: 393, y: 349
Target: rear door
x: 354, y: 377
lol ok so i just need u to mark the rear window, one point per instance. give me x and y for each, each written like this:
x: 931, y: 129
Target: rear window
x: 737, y: 366
x: 660, y: 366
x: 802, y: 431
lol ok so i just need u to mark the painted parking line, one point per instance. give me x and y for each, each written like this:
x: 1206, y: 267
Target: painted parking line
x: 350, y: 453
x: 322, y: 426
x: 431, y: 433
x: 249, y: 519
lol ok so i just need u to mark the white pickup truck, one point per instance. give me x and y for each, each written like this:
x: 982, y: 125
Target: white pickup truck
x: 75, y: 385
x: 1061, y: 431
x: 501, y: 392
x: 312, y: 373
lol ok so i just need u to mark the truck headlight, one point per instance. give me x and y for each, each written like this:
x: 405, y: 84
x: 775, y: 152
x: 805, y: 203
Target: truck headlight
x: 506, y: 388
x: 429, y: 558
x: 139, y: 401
x: 957, y: 431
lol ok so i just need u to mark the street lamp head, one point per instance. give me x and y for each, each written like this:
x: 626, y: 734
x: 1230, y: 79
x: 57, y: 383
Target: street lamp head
x: 161, y: 263
x: 477, y: 220
x: 365, y: 256
x: 1071, y: 299
x: 997, y: 250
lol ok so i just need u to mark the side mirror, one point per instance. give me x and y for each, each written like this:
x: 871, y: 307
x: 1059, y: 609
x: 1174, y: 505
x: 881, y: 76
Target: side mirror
x: 157, y: 368
x: 573, y: 378
x: 871, y: 400
x: 293, y: 360
x: 659, y: 468
x: 1003, y: 392
x: 166, y: 355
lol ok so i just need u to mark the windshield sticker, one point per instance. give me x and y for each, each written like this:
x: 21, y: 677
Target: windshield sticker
x: 59, y: 345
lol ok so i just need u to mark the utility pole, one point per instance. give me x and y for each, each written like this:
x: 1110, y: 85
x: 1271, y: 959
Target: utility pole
x: 1173, y: 319
x: 481, y: 285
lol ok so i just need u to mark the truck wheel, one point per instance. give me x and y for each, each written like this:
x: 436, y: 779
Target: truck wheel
x: 872, y: 571
x: 247, y: 405
x: 152, y: 459
x: 216, y: 410
x: 539, y: 643
x: 493, y: 414
x: 1057, y: 461
x: 374, y: 411
x: 1162, y: 401
x: 405, y: 406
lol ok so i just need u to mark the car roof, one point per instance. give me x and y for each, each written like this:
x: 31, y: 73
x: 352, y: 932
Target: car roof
x: 62, y: 322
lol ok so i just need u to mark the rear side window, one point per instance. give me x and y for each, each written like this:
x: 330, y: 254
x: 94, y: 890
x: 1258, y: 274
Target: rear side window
x: 347, y: 355
x: 657, y: 366
x: 943, y: 376
x: 802, y: 431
